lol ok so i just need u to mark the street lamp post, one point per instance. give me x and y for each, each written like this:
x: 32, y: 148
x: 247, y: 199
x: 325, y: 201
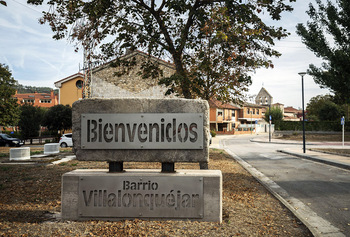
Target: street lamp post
x: 270, y: 121
x: 302, y: 74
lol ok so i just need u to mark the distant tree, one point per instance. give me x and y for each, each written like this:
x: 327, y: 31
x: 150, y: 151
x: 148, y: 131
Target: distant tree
x: 314, y: 106
x: 276, y: 115
x: 30, y: 120
x: 9, y: 111
x: 21, y: 89
x: 324, y: 108
x: 58, y: 118
x: 211, y: 43
x: 329, y: 111
x: 327, y: 35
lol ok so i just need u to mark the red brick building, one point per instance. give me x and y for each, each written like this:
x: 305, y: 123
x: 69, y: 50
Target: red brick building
x: 45, y: 100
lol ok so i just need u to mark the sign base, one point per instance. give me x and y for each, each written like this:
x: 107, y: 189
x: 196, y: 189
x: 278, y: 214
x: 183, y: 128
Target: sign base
x: 144, y: 194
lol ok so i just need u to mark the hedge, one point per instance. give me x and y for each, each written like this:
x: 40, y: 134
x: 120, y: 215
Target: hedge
x: 311, y: 126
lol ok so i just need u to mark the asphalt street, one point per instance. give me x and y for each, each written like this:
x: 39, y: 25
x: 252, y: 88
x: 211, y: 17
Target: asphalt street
x: 318, y: 188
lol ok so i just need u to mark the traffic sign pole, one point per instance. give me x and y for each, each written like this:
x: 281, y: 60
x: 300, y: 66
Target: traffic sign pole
x: 342, y: 122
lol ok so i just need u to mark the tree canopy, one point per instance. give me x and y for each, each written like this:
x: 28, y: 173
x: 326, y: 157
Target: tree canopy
x: 276, y: 115
x: 9, y: 112
x: 21, y: 89
x: 213, y: 44
x: 323, y: 108
x: 30, y: 120
x: 327, y: 35
x: 58, y: 118
x: 329, y: 111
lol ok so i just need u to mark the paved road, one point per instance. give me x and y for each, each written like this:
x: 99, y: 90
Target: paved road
x: 323, y: 188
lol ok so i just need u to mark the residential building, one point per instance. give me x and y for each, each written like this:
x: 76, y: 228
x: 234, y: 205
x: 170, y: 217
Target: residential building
x: 44, y: 100
x: 106, y: 84
x: 223, y: 117
x: 250, y: 113
x: 70, y: 89
x: 278, y: 105
x: 291, y: 114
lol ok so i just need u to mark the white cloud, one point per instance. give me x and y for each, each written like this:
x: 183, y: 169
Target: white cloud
x: 28, y: 48
x: 38, y: 60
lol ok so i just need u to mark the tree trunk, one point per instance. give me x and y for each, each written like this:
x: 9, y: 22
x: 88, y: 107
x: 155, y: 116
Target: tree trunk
x: 185, y: 83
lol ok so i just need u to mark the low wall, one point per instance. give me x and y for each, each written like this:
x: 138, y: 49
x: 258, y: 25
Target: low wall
x: 22, y: 153
x: 51, y: 148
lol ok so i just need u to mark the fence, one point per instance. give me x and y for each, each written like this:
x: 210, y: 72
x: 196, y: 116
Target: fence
x: 41, y: 140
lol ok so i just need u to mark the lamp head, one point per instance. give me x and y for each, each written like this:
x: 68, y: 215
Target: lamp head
x: 302, y: 73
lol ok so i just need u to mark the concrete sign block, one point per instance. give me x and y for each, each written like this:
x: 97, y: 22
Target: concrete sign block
x: 150, y: 194
x: 141, y: 129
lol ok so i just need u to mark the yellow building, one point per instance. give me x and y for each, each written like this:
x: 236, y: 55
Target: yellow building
x: 70, y: 89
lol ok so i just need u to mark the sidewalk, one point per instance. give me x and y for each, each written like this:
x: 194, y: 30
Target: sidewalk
x: 326, y: 158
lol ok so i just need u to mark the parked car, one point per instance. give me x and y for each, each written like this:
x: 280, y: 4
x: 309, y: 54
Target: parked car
x: 66, y: 140
x: 7, y: 140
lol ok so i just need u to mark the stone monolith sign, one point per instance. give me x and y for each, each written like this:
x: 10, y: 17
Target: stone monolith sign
x: 141, y: 130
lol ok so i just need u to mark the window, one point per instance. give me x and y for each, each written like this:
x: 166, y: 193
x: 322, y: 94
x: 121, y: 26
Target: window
x: 257, y: 111
x: 220, y: 112
x: 233, y: 113
x: 253, y: 111
x: 79, y: 84
x: 28, y: 101
x: 248, y: 111
x: 45, y: 101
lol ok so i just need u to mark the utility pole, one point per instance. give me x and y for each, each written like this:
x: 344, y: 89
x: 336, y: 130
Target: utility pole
x: 87, y: 73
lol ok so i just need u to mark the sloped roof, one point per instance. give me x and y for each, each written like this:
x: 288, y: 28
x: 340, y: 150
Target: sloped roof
x: 58, y: 84
x: 214, y: 103
x: 264, y: 90
x: 290, y: 109
x: 35, y: 95
x: 246, y: 104
x: 132, y: 54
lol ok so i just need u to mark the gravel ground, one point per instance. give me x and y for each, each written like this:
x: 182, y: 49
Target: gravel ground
x: 30, y: 199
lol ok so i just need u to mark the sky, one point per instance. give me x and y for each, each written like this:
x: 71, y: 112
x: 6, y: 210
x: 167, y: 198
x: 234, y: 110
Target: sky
x: 35, y: 59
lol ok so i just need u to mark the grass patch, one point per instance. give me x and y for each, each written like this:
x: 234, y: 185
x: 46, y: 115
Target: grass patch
x: 5, y: 168
x: 36, y: 152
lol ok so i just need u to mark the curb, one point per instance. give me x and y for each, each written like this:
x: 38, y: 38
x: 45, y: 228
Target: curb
x: 324, y: 161
x: 283, y: 143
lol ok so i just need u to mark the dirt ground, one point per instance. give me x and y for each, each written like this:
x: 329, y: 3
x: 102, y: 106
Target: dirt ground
x: 30, y: 195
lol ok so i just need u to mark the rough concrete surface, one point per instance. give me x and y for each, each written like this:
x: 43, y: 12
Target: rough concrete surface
x: 140, y: 105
